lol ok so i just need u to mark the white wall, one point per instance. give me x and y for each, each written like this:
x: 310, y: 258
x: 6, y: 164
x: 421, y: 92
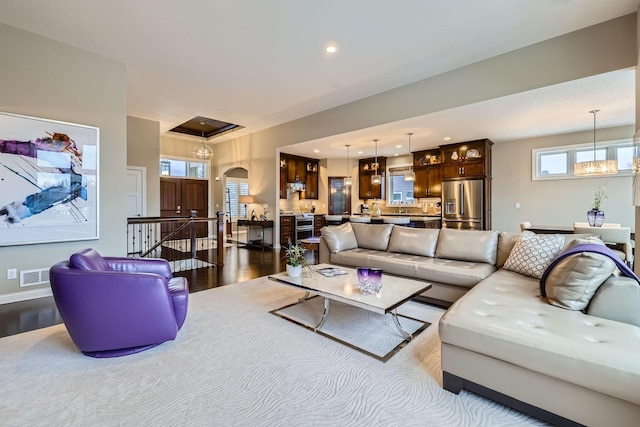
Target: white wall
x: 44, y: 78
x: 554, y: 202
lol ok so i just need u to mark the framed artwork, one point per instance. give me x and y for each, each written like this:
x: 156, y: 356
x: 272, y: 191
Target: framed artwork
x: 48, y: 181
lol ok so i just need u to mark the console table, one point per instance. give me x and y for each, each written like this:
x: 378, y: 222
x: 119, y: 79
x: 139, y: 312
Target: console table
x: 255, y: 233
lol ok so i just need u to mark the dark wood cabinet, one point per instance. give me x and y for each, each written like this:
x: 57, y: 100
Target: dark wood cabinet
x: 299, y: 169
x: 467, y: 160
x: 366, y: 169
x: 426, y: 165
x: 428, y: 182
x: 318, y: 223
x: 283, y: 179
x: 296, y: 169
x: 311, y: 181
x: 287, y: 230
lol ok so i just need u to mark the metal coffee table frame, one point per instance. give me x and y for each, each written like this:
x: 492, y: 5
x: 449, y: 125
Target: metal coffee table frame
x: 310, y: 293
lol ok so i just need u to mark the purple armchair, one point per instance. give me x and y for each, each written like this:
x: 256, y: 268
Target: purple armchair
x: 118, y: 306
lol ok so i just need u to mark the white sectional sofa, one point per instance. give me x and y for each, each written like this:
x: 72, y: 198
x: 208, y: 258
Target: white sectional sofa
x: 501, y: 338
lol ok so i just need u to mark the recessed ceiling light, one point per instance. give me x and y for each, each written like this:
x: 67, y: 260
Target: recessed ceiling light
x: 360, y: 152
x: 331, y: 49
x: 398, y: 146
x: 447, y: 138
x: 315, y: 150
x: 396, y: 155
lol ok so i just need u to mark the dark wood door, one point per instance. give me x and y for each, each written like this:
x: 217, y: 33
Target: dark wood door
x: 178, y: 197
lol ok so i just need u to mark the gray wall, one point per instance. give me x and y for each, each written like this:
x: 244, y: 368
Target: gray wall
x: 143, y: 149
x: 47, y: 79
x: 554, y: 202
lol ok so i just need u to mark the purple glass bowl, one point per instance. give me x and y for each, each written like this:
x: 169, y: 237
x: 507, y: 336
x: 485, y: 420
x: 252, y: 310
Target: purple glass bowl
x: 369, y: 280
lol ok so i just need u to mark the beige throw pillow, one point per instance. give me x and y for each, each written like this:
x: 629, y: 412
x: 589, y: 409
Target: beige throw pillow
x: 532, y: 253
x: 339, y: 237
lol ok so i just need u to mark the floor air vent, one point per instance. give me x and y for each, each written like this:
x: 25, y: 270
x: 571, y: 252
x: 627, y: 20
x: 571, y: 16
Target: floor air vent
x: 34, y: 277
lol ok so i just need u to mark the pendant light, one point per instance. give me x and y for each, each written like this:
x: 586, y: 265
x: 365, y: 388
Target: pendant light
x: 636, y: 169
x: 595, y: 167
x: 410, y: 175
x: 376, y: 178
x: 347, y: 180
x: 202, y: 151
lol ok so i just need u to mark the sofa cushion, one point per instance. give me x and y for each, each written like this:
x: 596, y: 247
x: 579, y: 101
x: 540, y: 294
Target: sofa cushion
x: 89, y: 259
x: 532, y: 253
x: 618, y: 298
x: 504, y: 318
x: 339, y: 237
x: 572, y: 282
x: 372, y: 236
x: 468, y: 245
x: 415, y: 241
x: 506, y: 241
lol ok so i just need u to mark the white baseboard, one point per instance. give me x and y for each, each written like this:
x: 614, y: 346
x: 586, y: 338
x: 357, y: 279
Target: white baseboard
x: 25, y: 295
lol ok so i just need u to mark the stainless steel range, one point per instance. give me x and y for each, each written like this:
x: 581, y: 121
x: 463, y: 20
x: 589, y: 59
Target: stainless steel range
x: 304, y: 226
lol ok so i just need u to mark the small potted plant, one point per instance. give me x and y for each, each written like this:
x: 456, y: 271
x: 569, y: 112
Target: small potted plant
x: 595, y: 215
x: 295, y: 260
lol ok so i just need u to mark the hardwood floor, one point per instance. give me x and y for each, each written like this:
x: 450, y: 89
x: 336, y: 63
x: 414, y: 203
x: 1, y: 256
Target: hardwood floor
x: 241, y: 264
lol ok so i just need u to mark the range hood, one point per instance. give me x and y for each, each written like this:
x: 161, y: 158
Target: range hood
x: 295, y: 186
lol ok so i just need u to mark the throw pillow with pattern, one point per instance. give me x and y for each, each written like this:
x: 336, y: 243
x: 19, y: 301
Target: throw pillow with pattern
x: 532, y: 253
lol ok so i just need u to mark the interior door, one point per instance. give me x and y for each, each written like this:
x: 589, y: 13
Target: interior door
x: 136, y: 205
x: 339, y: 197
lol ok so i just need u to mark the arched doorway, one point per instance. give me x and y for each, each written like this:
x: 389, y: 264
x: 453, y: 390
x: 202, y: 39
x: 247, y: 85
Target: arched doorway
x: 236, y: 184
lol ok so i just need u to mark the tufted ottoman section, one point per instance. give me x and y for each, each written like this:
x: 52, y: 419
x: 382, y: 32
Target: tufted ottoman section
x: 505, y: 318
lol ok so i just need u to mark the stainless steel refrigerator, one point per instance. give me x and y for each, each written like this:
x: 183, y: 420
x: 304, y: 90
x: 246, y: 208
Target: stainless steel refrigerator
x: 463, y: 204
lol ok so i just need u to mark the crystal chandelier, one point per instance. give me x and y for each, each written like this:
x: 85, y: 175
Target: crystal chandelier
x: 347, y: 180
x: 410, y: 175
x: 595, y: 167
x: 202, y: 151
x: 376, y: 178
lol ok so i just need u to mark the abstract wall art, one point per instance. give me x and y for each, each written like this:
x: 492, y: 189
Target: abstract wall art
x: 48, y: 181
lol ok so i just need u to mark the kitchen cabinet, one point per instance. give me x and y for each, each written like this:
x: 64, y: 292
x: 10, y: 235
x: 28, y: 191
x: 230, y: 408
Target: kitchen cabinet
x: 296, y: 169
x: 428, y: 182
x: 318, y: 223
x: 283, y: 179
x: 311, y: 181
x: 426, y: 165
x: 299, y: 169
x: 367, y: 168
x: 467, y: 160
x: 287, y: 229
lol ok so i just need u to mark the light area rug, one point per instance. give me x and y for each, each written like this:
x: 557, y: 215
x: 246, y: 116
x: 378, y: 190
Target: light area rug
x: 235, y: 364
x: 373, y: 333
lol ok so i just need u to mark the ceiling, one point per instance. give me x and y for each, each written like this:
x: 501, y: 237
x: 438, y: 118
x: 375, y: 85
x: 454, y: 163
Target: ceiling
x: 262, y: 63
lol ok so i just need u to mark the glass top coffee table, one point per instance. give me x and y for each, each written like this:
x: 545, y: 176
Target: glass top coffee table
x: 395, y: 292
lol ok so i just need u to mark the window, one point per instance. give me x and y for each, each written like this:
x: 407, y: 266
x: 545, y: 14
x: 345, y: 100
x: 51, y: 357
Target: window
x: 183, y: 169
x: 558, y: 162
x: 236, y: 187
x: 400, y: 191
